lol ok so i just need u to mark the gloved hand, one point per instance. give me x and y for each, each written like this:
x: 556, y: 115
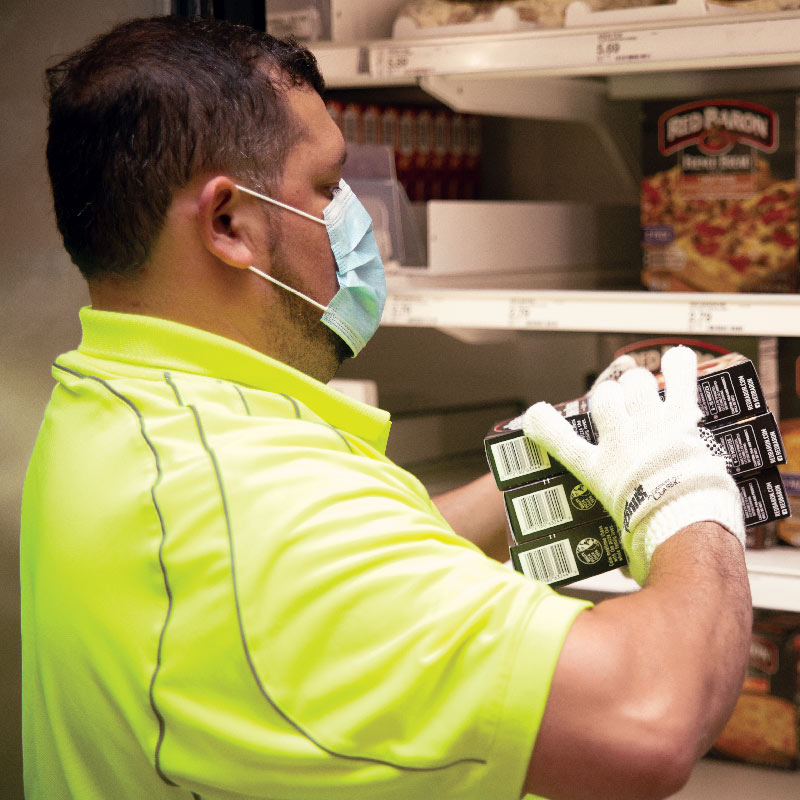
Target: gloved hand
x: 651, y: 468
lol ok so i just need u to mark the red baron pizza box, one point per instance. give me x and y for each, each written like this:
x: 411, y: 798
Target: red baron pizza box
x: 571, y: 555
x: 728, y: 390
x: 719, y: 207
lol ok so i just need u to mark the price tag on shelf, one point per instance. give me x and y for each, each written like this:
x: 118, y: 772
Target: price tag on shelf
x: 616, y: 47
x: 714, y: 318
x: 408, y: 309
x: 403, y: 61
x: 524, y: 312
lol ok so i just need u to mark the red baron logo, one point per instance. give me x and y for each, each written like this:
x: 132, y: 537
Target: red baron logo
x: 715, y: 126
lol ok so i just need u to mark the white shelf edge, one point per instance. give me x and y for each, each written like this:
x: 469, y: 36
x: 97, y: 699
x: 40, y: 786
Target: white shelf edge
x: 774, y: 579
x: 594, y: 311
x: 725, y: 41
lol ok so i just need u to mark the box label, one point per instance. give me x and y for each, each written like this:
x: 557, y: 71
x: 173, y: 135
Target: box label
x: 549, y: 563
x: 565, y: 556
x: 518, y: 457
x: 541, y: 510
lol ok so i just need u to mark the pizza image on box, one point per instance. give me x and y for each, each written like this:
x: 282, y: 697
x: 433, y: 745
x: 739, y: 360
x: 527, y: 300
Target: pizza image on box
x: 761, y: 730
x: 716, y: 218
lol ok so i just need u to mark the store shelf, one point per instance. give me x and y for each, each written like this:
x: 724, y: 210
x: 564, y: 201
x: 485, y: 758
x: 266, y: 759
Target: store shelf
x: 593, y: 311
x: 715, y: 778
x: 774, y: 579
x: 602, y: 50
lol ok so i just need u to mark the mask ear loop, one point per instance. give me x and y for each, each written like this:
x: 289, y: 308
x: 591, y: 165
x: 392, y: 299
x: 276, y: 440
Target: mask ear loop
x: 287, y: 287
x: 278, y: 203
x: 264, y: 274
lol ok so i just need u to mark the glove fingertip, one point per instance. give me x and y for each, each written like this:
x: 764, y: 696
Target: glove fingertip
x: 608, y: 405
x: 540, y: 419
x: 625, y: 362
x: 679, y: 355
x: 548, y: 428
x: 679, y: 367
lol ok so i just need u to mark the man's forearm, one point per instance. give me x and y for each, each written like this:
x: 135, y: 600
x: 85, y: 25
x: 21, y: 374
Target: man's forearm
x: 705, y: 567
x: 666, y: 669
x: 692, y: 620
x: 476, y: 512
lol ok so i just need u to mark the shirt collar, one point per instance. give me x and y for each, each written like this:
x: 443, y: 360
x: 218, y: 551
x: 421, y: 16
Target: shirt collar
x: 150, y: 342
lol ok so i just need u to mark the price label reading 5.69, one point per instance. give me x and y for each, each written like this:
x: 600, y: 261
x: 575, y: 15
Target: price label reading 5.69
x: 612, y: 47
x: 607, y: 47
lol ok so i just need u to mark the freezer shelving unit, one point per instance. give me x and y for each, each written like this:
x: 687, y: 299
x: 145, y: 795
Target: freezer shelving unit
x: 687, y: 45
x: 576, y: 74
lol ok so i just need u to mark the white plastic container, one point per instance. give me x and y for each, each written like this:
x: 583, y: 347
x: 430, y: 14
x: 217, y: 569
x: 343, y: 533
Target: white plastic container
x: 466, y: 237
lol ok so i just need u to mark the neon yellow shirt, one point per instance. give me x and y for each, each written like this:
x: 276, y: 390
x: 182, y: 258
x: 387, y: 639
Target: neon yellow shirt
x: 229, y: 590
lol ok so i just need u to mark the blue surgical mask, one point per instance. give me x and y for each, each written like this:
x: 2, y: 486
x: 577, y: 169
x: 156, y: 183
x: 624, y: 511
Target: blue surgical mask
x: 355, y: 311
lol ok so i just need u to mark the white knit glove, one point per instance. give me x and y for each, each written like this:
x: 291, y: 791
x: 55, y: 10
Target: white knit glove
x: 614, y: 371
x: 651, y: 468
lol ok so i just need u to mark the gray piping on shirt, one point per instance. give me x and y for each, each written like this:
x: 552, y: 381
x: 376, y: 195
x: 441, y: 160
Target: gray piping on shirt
x: 151, y: 689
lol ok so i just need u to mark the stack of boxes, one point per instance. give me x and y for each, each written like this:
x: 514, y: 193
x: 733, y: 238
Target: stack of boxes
x: 561, y: 533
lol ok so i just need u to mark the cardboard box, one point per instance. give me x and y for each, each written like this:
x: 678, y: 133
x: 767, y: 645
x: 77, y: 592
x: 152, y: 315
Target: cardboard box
x: 752, y: 444
x: 764, y: 497
x: 765, y: 725
x: 561, y: 533
x: 515, y: 460
x: 363, y: 20
x: 570, y: 555
x: 549, y: 505
x: 563, y: 501
x: 789, y: 404
x: 719, y: 201
x: 728, y: 391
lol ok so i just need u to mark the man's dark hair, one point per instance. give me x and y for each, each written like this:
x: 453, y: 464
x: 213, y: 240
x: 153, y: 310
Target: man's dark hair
x: 141, y: 110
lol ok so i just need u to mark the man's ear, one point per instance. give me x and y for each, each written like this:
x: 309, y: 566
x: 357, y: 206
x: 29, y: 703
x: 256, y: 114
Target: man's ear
x: 231, y: 225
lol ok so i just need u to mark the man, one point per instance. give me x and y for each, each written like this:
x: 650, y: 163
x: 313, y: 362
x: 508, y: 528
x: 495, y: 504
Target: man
x: 228, y: 590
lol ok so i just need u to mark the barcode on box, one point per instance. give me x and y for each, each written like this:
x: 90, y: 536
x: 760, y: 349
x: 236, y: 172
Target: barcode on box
x: 519, y: 456
x: 541, y: 510
x: 549, y: 563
